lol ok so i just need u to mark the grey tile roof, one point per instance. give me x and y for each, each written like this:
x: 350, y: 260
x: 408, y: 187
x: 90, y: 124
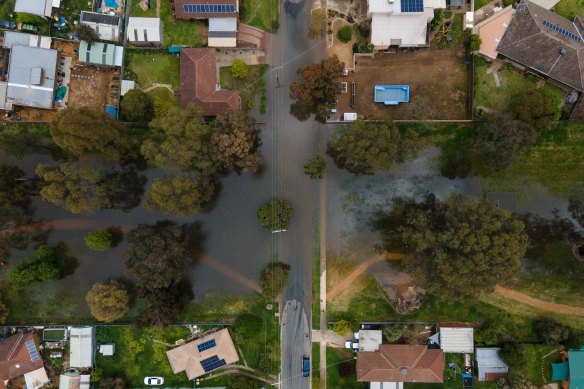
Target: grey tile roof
x: 31, y: 76
x: 530, y: 42
x: 34, y: 7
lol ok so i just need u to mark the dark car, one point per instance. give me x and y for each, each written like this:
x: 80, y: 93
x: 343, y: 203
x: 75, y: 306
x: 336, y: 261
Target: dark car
x: 370, y: 326
x: 305, y: 366
x: 7, y: 25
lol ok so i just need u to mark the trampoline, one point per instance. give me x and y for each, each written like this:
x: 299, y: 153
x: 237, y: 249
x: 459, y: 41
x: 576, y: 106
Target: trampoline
x: 391, y: 94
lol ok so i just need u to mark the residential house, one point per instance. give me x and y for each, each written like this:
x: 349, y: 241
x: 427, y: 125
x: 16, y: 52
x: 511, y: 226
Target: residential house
x: 99, y: 53
x: 491, y: 31
x: 145, y: 31
x: 203, y: 355
x: 393, y: 364
x: 81, y: 347
x: 36, y: 7
x: 370, y: 340
x: 222, y: 14
x: 32, y: 72
x: 74, y: 380
x: 546, y: 44
x: 107, y: 27
x: 570, y: 371
x: 402, y: 23
x: 456, y: 338
x: 490, y: 366
x: 19, y: 357
x: 199, y: 83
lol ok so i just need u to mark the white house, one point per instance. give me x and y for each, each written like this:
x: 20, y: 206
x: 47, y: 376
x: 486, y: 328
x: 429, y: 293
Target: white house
x: 145, y: 31
x: 106, y: 26
x: 402, y: 23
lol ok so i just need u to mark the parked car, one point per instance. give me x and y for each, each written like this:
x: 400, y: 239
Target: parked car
x: 305, y: 366
x: 370, y: 327
x: 29, y: 28
x: 7, y: 25
x: 351, y: 345
x: 153, y: 381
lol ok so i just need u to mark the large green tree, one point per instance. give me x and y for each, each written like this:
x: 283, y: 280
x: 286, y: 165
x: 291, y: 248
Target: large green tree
x: 182, y: 141
x: 87, y: 133
x: 535, y: 108
x: 316, y: 89
x: 46, y: 265
x: 315, y: 168
x: 98, y: 240
x: 276, y: 214
x: 273, y: 279
x: 157, y: 254
x: 108, y: 302
x: 236, y: 141
x: 457, y: 248
x: 137, y: 106
x: 365, y: 147
x: 179, y: 195
x: 162, y: 309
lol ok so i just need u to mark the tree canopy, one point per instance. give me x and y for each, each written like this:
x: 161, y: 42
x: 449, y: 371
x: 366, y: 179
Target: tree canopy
x: 86, y: 133
x: 137, y: 106
x: 162, y: 309
x: 535, y: 108
x: 179, y: 195
x: 457, y: 248
x: 108, y: 302
x: 236, y: 141
x: 345, y: 34
x: 276, y: 214
x: 157, y: 254
x: 99, y: 240
x: 316, y: 89
x: 315, y: 167
x: 365, y: 147
x: 183, y: 142
x: 552, y: 333
x: 273, y: 279
x: 86, y: 33
x: 46, y: 265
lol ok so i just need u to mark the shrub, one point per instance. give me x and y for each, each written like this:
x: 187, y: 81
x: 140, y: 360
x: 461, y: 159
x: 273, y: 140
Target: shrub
x: 137, y: 106
x: 551, y: 332
x: 99, y: 240
x: 276, y: 214
x: 392, y: 333
x: 513, y: 354
x: 474, y: 43
x: 239, y: 69
x: 345, y: 34
x: 315, y: 167
x: 46, y: 265
x: 30, y: 19
x: 343, y: 328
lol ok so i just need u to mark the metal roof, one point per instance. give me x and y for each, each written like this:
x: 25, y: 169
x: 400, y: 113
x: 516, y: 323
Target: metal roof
x: 223, y: 24
x: 34, y: 7
x: 144, y: 30
x: 97, y: 53
x: 457, y: 339
x: 81, y: 347
x: 489, y: 361
x: 99, y: 18
x: 25, y: 86
x: 36, y: 379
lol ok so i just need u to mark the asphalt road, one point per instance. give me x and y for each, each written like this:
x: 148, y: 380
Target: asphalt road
x: 294, y: 143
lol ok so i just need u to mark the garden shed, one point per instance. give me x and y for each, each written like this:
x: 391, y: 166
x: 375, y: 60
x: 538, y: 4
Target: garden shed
x: 490, y: 366
x: 457, y: 339
x: 81, y: 347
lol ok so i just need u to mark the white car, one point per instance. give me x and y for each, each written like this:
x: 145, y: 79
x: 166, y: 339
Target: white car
x: 152, y: 381
x: 352, y: 345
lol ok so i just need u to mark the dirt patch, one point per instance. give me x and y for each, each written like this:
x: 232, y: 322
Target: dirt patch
x: 438, y: 81
x: 343, y: 50
x: 93, y: 87
x: 534, y: 302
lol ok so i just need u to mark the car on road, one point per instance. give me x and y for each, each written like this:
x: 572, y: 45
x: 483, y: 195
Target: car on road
x: 305, y: 366
x: 153, y: 381
x: 7, y: 25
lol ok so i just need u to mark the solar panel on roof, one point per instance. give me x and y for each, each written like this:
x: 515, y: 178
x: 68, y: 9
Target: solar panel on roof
x: 32, y: 351
x: 208, y: 8
x: 562, y: 31
x: 412, y: 5
x: 212, y: 363
x: 206, y: 345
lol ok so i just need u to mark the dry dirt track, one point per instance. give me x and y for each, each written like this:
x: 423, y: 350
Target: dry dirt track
x: 537, y: 303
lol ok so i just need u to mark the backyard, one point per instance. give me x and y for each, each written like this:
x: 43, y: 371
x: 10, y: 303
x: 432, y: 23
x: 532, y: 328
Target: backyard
x: 570, y: 8
x: 262, y: 14
x: 150, y: 66
x: 176, y: 32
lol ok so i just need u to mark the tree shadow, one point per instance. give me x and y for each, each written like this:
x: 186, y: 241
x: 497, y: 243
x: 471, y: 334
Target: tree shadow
x: 117, y: 235
x: 69, y: 263
x: 210, y: 205
x: 195, y: 239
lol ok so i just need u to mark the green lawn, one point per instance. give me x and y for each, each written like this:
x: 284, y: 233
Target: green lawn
x: 262, y: 14
x: 176, y: 32
x: 570, y: 8
x: 140, y: 353
x: 151, y: 66
x: 316, y: 278
x: 315, y: 362
x: 512, y: 83
x: 232, y: 381
x: 6, y: 8
x: 480, y: 4
x: 341, y: 370
x: 537, y: 370
x: 248, y: 87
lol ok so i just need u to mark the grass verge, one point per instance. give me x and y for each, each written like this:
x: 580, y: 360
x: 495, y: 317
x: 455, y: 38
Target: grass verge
x: 262, y: 14
x: 315, y: 371
x: 341, y: 370
x: 316, y: 278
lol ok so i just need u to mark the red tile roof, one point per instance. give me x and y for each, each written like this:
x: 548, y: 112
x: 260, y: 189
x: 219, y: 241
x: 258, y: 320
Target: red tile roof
x: 15, y: 360
x: 198, y: 77
x: 181, y: 14
x: 401, y: 363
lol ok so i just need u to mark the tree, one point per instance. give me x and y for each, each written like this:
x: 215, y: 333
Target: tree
x: 239, y: 69
x: 86, y: 33
x: 438, y: 19
x: 317, y: 89
x: 458, y: 248
x: 107, y: 302
x: 86, y: 133
x: 474, y: 43
x: 4, y: 311
x: 488, y: 335
x: 365, y: 147
x: 157, y: 254
x: 513, y: 354
x: 99, y: 240
x: 46, y: 265
x: 182, y: 142
x: 392, y: 333
x: 345, y: 34
x: 161, y: 311
x: 179, y: 195
x: 236, y: 141
x: 343, y: 328
x: 551, y: 332
x: 315, y: 167
x: 535, y: 108
x: 137, y: 106
x: 114, y: 383
x: 276, y: 214
x: 273, y: 279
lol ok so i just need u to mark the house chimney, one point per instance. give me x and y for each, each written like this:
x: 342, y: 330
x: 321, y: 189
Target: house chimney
x: 562, y: 51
